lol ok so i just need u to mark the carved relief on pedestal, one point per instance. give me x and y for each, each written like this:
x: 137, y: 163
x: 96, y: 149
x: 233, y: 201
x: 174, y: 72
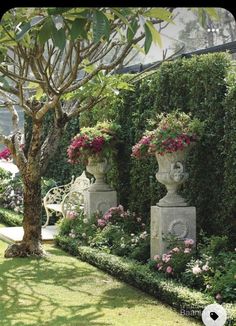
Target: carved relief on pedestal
x: 103, y: 206
x: 178, y: 228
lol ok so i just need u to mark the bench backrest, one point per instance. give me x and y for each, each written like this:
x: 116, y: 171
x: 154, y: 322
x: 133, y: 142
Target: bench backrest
x: 80, y: 184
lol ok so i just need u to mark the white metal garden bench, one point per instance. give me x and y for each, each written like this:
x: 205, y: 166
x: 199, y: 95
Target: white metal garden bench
x: 67, y: 197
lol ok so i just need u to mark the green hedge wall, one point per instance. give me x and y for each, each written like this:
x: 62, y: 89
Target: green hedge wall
x: 200, y: 85
x: 196, y: 85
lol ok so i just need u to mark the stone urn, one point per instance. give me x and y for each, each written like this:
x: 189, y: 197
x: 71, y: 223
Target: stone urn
x: 98, y: 168
x: 172, y: 174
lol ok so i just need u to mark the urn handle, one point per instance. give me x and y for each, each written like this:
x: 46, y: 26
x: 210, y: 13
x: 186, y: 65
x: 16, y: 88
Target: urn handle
x: 177, y: 171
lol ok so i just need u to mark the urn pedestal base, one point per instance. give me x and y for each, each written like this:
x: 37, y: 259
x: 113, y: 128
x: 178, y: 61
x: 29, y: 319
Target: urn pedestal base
x: 99, y: 201
x: 179, y: 221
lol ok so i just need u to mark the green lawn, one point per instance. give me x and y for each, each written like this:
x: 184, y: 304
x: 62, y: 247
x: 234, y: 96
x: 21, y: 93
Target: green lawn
x: 62, y: 290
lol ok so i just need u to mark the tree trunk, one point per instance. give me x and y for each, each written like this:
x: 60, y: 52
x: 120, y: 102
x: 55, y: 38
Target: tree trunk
x: 31, y: 175
x: 31, y: 243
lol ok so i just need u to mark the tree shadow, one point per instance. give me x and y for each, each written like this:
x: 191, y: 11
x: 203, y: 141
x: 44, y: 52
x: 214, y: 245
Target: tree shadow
x: 29, y: 287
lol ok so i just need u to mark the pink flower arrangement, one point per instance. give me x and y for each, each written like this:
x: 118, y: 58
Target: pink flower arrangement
x: 97, y: 141
x: 174, y: 132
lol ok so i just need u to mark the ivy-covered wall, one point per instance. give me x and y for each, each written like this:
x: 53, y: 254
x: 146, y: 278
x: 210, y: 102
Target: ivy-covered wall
x: 200, y: 85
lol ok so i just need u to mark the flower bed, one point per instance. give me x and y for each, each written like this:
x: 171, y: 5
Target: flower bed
x: 211, y: 270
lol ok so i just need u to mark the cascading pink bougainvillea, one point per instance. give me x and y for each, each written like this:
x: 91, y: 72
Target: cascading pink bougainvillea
x: 97, y: 141
x: 5, y: 154
x: 175, y: 131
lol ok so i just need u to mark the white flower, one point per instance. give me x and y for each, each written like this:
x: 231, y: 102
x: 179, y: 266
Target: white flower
x: 196, y: 270
x: 122, y: 245
x: 205, y: 268
x: 85, y: 220
x: 84, y: 235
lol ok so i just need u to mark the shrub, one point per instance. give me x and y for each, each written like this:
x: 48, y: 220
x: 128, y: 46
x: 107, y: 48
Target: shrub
x: 173, y: 263
x: 117, y: 231
x: 214, y: 269
x: 12, y: 196
x: 10, y: 218
x: 5, y: 177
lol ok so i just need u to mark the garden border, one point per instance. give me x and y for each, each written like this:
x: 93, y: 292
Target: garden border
x: 187, y: 301
x: 10, y: 218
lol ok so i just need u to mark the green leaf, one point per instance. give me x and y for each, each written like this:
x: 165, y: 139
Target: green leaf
x: 148, y: 39
x: 122, y: 17
x: 138, y: 48
x: 4, y: 82
x: 155, y: 34
x: 45, y: 32
x: 159, y: 13
x: 58, y: 11
x: 101, y: 26
x: 59, y: 37
x: 131, y: 31
x: 2, y: 55
x: 36, y: 20
x: 77, y: 29
x: 39, y: 93
x: 24, y: 28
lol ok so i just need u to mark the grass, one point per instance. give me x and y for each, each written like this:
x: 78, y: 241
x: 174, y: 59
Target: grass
x: 62, y: 290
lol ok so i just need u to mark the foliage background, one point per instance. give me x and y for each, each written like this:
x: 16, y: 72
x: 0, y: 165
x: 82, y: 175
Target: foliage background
x: 203, y: 85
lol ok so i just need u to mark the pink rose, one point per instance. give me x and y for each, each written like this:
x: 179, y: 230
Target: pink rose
x: 176, y: 249
x: 71, y: 215
x: 166, y: 258
x: 169, y: 269
x: 101, y: 222
x: 188, y: 242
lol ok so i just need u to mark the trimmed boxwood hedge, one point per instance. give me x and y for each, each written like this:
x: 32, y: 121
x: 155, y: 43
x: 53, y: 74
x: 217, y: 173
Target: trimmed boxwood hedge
x: 140, y: 276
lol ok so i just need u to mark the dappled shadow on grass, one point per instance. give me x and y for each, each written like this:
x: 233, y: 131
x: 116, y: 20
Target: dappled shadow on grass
x: 58, y: 290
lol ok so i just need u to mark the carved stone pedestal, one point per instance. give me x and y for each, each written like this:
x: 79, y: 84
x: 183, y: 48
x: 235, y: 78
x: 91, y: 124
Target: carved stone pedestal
x: 180, y: 221
x: 100, y: 201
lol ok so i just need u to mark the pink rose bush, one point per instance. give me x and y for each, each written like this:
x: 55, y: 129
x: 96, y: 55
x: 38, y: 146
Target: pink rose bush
x: 174, y: 131
x: 175, y: 260
x: 127, y: 220
x: 97, y: 142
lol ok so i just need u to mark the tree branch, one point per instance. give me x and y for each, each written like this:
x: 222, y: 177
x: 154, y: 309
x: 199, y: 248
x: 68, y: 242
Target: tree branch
x: 47, y: 106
